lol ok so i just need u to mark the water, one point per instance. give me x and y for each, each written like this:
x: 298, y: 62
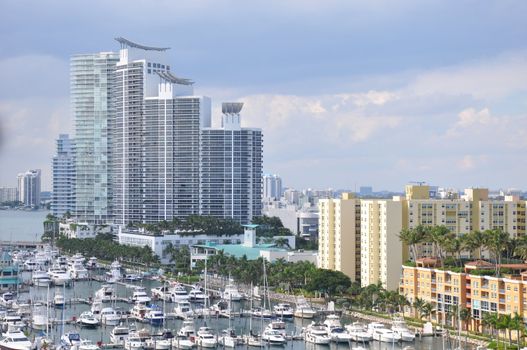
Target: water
x: 21, y: 225
x: 86, y: 289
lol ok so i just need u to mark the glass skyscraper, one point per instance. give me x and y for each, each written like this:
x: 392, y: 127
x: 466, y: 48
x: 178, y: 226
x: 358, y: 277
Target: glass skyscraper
x: 63, y: 199
x: 90, y: 76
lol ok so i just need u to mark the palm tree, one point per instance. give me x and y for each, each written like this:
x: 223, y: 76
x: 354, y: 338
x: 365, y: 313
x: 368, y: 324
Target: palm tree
x: 418, y: 306
x: 504, y: 324
x: 438, y: 235
x: 465, y: 316
x: 453, y: 246
x: 412, y: 237
x: 521, y: 249
x: 497, y: 241
x: 490, y: 319
x: 516, y: 324
x: 426, y: 311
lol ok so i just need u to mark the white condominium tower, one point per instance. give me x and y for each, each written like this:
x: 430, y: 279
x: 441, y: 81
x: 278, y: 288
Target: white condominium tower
x: 29, y: 188
x: 90, y: 76
x: 155, y: 138
x: 231, y: 168
x: 272, y: 186
x: 63, y: 198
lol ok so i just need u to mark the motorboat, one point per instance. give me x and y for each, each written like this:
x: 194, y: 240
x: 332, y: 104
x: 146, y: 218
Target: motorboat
x: 78, y: 271
x: 92, y: 263
x: 183, y: 343
x: 7, y: 299
x: 59, y: 300
x: 30, y: 265
x: 187, y: 329
x: 140, y: 296
x: 276, y: 324
x: 106, y: 293
x: 132, y: 277
x: 161, y: 293
x: 179, y: 293
x: 139, y: 312
x: 136, y: 340
x: 119, y: 334
x: 15, y: 339
x: 183, y: 309
x: 59, y: 277
x: 399, y: 326
x: 317, y: 334
x: 260, y: 312
x: 61, y: 262
x: 229, y: 338
x: 380, y: 333
x: 283, y: 310
x: 254, y: 340
x: 161, y: 341
x: 40, y: 278
x: 206, y: 338
x: 155, y: 317
x: 87, y: 319
x: 87, y: 345
x: 273, y: 337
x: 334, y: 329
x: 70, y: 340
x: 359, y: 333
x: 109, y: 316
x: 12, y: 321
x: 39, y: 320
x: 231, y: 293
x: 197, y: 295
x: 303, y: 309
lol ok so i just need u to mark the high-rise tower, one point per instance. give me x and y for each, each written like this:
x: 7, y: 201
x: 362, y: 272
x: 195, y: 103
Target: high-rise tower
x: 63, y: 199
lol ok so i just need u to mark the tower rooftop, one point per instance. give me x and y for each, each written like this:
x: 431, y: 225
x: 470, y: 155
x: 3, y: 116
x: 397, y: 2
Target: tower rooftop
x: 127, y: 43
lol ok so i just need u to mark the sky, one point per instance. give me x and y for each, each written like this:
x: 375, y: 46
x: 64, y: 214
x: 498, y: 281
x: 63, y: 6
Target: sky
x: 347, y: 93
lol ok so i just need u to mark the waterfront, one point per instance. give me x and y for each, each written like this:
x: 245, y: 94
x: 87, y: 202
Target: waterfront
x: 22, y: 225
x: 86, y: 289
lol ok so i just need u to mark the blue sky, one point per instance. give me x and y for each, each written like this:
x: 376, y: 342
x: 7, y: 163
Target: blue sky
x: 347, y: 93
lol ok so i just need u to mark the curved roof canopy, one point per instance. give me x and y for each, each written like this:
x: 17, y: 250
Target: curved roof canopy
x: 173, y: 79
x: 127, y: 43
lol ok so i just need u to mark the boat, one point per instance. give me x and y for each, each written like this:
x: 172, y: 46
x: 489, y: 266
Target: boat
x: 335, y: 330
x: 132, y: 277
x: 92, y: 263
x: 140, y: 296
x: 87, y: 345
x: 59, y: 300
x: 359, y: 333
x: 229, y: 338
x: 59, y: 277
x: 303, y: 309
x: 30, y: 265
x: 15, y: 339
x: 155, y: 317
x: 205, y: 338
x: 380, y: 333
x: 187, y: 329
x: 106, y: 293
x: 139, y: 312
x: 119, y: 334
x: 399, y: 326
x: 137, y: 340
x: 70, y: 340
x: 231, y: 293
x: 183, y: 343
x: 109, y: 316
x: 273, y: 337
x: 77, y: 271
x: 259, y: 312
x: 276, y: 324
x: 283, y: 310
x: 316, y: 333
x: 12, y: 321
x: 183, y: 309
x: 39, y: 320
x: 87, y: 319
x: 40, y: 278
x: 179, y: 293
x: 197, y: 295
x: 7, y: 299
x: 161, y: 293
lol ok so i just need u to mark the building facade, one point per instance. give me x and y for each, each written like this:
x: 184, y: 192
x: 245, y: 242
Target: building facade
x: 339, y: 235
x: 272, y: 186
x: 63, y: 168
x: 8, y: 194
x: 29, y: 188
x: 231, y: 168
x: 90, y: 81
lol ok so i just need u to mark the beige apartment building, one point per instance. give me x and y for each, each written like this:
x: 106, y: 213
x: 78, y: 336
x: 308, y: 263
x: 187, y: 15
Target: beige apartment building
x: 339, y: 235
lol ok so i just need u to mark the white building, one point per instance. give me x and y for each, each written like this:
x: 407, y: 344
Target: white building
x: 82, y: 230
x: 303, y: 221
x: 272, y: 186
x: 29, y: 188
x: 63, y: 166
x: 8, y: 194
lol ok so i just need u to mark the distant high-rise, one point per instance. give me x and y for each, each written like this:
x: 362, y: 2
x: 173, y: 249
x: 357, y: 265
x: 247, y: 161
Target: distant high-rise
x: 155, y: 138
x: 272, y: 186
x: 90, y: 76
x: 63, y: 166
x: 8, y: 194
x: 231, y: 168
x: 29, y: 188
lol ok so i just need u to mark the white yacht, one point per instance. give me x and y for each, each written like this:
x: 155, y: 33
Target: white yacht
x: 197, y: 295
x: 161, y: 293
x: 109, y: 316
x: 303, y: 309
x: 259, y: 312
x: 139, y: 312
x: 273, y: 337
x: 59, y: 300
x: 231, y: 293
x: 140, y: 296
x: 87, y: 345
x: 399, y: 326
x: 206, y: 338
x: 59, y: 277
x: 155, y: 317
x: 136, y: 341
x: 179, y: 293
x: 15, y: 339
x: 380, y: 333
x: 30, y: 265
x: 70, y: 340
x: 335, y: 330
x: 40, y: 278
x: 187, y: 328
x: 39, y: 320
x: 283, y: 310
x: 119, y: 334
x: 12, y: 321
x: 7, y: 299
x: 78, y: 271
x: 359, y: 333
x: 87, y: 319
x: 316, y: 333
x: 92, y: 263
x: 106, y: 293
x: 229, y: 338
x: 183, y: 309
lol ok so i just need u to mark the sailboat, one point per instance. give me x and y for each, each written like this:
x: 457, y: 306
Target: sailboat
x: 253, y: 339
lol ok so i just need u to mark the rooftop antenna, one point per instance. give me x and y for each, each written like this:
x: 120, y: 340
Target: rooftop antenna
x: 420, y: 183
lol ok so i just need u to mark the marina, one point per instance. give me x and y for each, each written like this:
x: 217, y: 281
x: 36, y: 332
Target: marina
x: 104, y: 307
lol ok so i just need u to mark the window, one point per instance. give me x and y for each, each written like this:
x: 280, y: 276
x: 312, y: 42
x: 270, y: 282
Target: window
x: 149, y: 71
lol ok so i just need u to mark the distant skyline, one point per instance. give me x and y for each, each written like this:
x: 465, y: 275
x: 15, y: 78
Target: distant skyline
x: 347, y: 93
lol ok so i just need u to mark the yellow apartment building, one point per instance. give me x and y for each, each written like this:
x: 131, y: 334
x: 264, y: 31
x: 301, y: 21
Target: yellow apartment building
x: 339, y: 235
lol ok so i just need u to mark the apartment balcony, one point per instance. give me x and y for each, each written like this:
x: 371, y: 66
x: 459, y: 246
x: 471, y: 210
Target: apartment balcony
x: 502, y: 300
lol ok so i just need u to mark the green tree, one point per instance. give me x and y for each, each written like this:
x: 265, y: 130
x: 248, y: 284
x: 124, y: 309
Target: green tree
x: 412, y: 237
x: 496, y: 242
